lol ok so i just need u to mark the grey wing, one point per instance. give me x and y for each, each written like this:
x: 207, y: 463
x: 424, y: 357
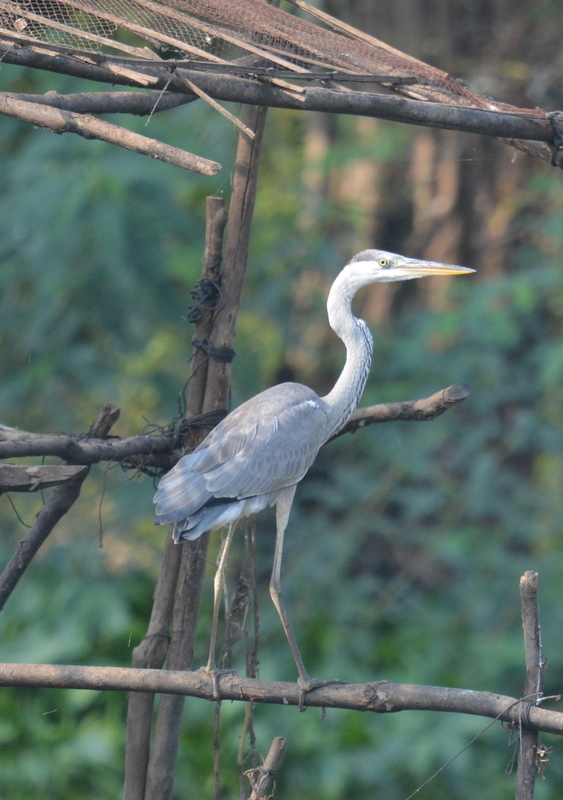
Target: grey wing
x: 266, y: 444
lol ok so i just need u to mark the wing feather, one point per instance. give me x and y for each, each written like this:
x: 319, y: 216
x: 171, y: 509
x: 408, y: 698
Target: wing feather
x: 266, y: 444
x: 185, y: 499
x: 278, y: 454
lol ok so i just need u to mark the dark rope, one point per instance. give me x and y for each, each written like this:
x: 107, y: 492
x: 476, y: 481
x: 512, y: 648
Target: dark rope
x: 208, y: 420
x: 206, y: 295
x: 556, y: 119
x: 223, y: 354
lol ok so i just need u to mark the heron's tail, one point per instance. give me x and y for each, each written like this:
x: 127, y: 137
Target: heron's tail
x: 206, y: 519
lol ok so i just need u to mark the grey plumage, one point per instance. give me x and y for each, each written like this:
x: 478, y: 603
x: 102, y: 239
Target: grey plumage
x: 255, y: 457
x: 265, y: 445
x: 269, y: 442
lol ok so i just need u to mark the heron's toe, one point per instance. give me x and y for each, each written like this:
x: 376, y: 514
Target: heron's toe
x: 308, y: 684
x: 215, y: 673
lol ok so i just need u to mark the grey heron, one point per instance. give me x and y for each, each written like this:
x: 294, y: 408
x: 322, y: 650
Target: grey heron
x: 258, y: 454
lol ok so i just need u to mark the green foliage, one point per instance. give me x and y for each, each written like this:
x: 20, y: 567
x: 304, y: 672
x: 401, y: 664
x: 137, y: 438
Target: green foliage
x: 75, y: 609
x: 406, y: 541
x: 99, y: 251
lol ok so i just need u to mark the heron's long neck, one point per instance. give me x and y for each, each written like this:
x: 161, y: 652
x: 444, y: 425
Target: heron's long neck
x: 345, y: 396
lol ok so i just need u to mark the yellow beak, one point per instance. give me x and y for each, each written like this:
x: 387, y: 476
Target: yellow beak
x: 418, y: 267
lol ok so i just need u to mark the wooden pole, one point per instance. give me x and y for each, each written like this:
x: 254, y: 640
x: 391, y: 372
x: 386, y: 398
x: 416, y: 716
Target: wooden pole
x: 533, y: 687
x: 152, y: 651
x: 162, y: 764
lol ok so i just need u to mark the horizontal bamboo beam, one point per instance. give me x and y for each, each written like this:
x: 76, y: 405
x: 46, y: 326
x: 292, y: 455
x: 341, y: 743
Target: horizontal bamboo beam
x: 531, y: 126
x: 380, y: 697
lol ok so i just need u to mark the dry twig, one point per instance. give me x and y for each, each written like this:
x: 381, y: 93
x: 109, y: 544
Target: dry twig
x: 57, y: 505
x: 59, y: 121
x: 408, y: 410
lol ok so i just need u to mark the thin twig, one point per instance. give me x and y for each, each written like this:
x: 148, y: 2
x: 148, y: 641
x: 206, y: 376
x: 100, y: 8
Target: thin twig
x: 223, y: 111
x: 453, y: 758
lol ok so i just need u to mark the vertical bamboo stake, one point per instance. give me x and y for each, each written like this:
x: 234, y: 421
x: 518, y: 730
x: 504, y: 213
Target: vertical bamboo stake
x: 160, y: 776
x: 244, y: 181
x: 261, y: 777
x: 533, y: 685
x: 153, y: 649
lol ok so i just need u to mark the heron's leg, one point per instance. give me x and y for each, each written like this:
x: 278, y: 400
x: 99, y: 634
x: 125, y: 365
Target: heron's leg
x: 283, y: 507
x: 218, y: 584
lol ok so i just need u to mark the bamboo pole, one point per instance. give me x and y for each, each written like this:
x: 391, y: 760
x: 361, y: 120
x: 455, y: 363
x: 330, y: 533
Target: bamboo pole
x: 152, y: 651
x: 162, y: 764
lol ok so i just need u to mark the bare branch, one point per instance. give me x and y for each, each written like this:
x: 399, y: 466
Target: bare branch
x: 15, y: 443
x: 407, y: 411
x: 380, y: 697
x: 59, y: 502
x: 153, y: 649
x: 536, y: 662
x: 21, y: 444
x: 165, y: 743
x: 150, y: 653
x: 104, y: 422
x: 59, y: 121
x: 57, y: 505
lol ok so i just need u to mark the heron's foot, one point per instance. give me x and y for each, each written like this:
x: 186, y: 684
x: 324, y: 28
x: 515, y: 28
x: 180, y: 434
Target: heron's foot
x: 307, y: 684
x: 215, y: 673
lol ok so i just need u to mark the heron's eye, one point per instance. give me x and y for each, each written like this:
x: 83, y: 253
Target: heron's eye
x: 383, y: 262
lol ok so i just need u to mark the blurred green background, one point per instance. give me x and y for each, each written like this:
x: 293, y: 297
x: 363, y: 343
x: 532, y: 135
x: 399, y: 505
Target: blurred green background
x: 406, y: 541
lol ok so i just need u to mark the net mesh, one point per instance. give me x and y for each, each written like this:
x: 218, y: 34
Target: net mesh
x: 219, y: 31
x: 120, y: 25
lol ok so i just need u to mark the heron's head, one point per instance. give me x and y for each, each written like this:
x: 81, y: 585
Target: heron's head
x: 373, y: 266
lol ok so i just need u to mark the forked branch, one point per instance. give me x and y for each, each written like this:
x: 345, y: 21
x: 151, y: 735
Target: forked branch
x: 161, y: 449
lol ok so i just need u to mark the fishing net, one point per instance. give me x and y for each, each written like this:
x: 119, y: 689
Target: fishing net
x: 219, y: 31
